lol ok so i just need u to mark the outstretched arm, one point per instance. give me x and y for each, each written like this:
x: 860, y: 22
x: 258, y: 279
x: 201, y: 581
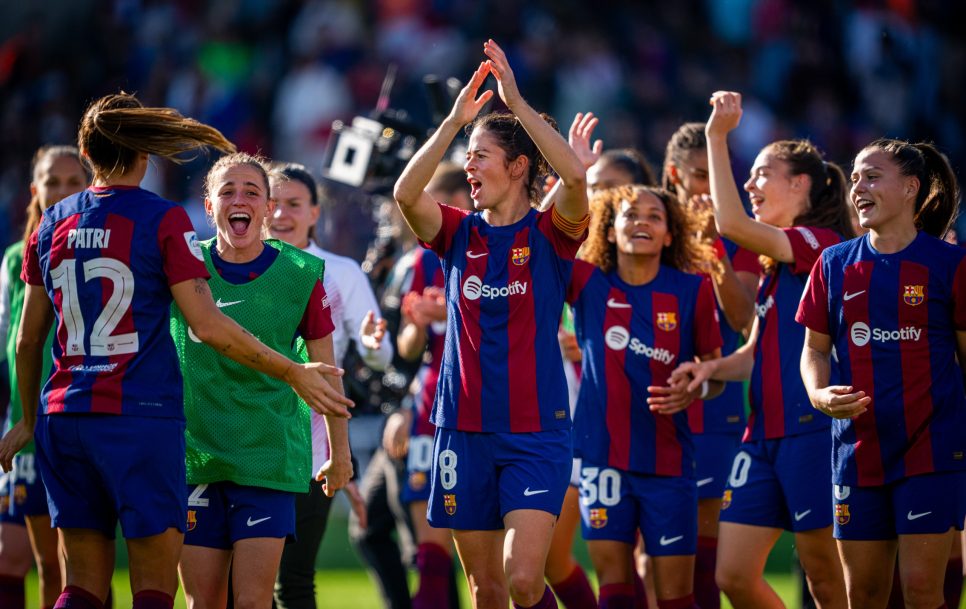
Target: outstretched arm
x: 729, y: 215
x: 417, y: 206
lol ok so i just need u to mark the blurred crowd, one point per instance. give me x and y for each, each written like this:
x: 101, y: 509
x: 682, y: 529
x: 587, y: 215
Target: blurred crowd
x: 273, y: 75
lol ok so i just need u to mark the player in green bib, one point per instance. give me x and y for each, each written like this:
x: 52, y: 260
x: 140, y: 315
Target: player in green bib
x: 57, y: 173
x: 248, y: 443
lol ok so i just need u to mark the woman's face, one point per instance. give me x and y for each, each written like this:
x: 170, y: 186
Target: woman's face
x: 239, y: 204
x: 641, y: 226
x: 880, y: 194
x: 777, y: 196
x: 604, y: 175
x: 294, y: 213
x: 57, y: 177
x: 691, y: 177
x: 491, y: 176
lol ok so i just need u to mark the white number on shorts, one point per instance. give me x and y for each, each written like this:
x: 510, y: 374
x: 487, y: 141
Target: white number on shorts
x: 447, y: 469
x: 603, y: 485
x: 103, y: 342
x: 24, y: 469
x: 739, y: 470
x: 420, y: 454
x: 195, y: 499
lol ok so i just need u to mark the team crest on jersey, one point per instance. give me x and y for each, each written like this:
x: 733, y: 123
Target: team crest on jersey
x: 598, y: 518
x: 667, y: 321
x: 20, y: 494
x: 417, y: 481
x: 914, y: 295
x: 842, y: 515
x: 520, y: 255
x: 726, y: 499
x: 449, y: 504
x: 192, y: 520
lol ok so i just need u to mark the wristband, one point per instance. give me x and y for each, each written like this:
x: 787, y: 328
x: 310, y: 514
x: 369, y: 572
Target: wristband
x: 705, y: 389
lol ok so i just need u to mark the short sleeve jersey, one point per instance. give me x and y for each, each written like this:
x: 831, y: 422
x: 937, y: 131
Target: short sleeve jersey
x: 633, y: 337
x: 502, y: 370
x: 779, y: 403
x: 893, y: 320
x: 725, y: 414
x: 427, y: 272
x: 107, y: 258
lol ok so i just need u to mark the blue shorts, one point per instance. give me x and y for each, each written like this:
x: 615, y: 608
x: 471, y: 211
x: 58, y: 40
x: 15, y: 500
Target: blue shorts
x: 22, y: 491
x: 101, y: 469
x: 919, y: 505
x: 221, y: 513
x: 479, y: 477
x: 713, y: 455
x: 781, y: 484
x: 419, y: 467
x: 614, y: 504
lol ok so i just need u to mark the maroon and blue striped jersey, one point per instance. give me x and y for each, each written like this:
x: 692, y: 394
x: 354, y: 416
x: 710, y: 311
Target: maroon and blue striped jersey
x: 633, y: 337
x: 726, y: 413
x: 427, y: 272
x: 502, y: 370
x: 779, y: 402
x: 107, y: 258
x: 893, y: 320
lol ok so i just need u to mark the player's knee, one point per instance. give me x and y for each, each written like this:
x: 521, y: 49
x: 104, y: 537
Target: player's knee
x: 526, y: 586
x: 732, y: 581
x: 488, y: 593
x: 920, y: 589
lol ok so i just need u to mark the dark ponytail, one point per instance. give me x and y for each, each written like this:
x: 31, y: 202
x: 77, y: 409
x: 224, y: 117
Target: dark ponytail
x: 938, y: 198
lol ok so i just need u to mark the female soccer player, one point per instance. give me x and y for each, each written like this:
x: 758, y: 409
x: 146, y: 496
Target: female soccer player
x: 637, y: 315
x: 354, y: 316
x: 57, y: 172
x: 249, y: 447
x: 107, y: 262
x: 717, y: 424
x: 893, y: 306
x: 502, y: 454
x: 778, y: 477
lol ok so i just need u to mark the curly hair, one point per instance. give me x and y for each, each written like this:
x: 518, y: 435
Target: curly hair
x: 687, y: 139
x: 514, y: 140
x: 685, y: 253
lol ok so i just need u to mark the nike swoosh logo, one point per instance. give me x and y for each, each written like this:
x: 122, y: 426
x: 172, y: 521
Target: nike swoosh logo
x: 912, y: 516
x: 474, y: 256
x: 848, y: 296
x: 705, y: 481
x: 802, y: 515
x: 221, y: 304
x: 252, y: 523
x: 617, y: 305
x: 528, y: 493
x: 667, y: 542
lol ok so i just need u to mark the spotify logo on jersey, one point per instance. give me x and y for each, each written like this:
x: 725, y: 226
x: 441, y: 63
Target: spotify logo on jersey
x: 861, y: 333
x: 472, y: 287
x: 617, y: 337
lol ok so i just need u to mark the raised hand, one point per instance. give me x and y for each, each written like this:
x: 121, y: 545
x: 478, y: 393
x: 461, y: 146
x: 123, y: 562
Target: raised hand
x: 726, y: 113
x: 500, y: 68
x: 467, y: 104
x: 579, y: 138
x: 372, y: 331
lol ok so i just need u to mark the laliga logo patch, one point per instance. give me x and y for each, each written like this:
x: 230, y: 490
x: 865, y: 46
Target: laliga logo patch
x: 860, y: 333
x: 842, y: 515
x: 667, y: 321
x: 520, y: 255
x: 472, y: 287
x: 598, y: 518
x: 191, y: 239
x: 913, y: 295
x: 449, y: 504
x: 617, y: 337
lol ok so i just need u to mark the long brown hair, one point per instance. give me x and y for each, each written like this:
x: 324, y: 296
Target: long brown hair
x: 685, y: 253
x: 828, y: 195
x: 938, y: 198
x: 34, y: 211
x: 116, y: 128
x: 514, y: 140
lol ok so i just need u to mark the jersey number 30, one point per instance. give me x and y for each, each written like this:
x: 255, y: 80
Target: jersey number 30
x: 102, y: 340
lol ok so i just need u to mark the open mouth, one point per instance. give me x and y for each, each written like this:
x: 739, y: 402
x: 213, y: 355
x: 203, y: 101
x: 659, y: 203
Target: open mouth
x: 756, y: 204
x: 239, y: 222
x: 475, y: 186
x: 864, y: 205
x: 281, y: 228
x: 642, y: 236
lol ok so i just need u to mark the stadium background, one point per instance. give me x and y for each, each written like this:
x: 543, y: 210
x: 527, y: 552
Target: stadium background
x: 273, y: 75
